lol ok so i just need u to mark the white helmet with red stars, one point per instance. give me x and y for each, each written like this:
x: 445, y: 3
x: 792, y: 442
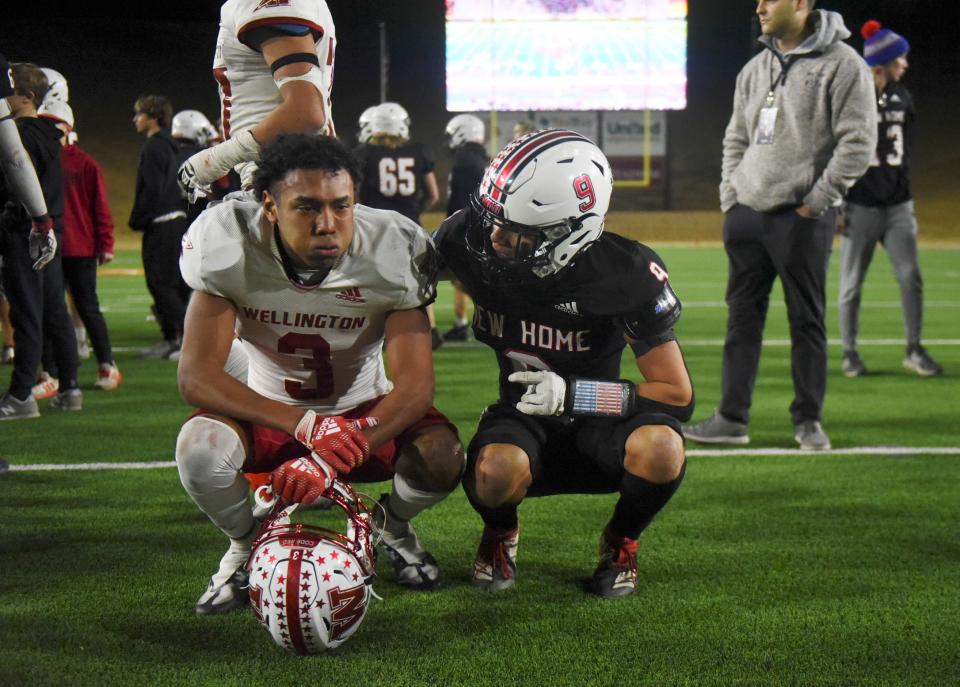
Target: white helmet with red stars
x: 310, y: 586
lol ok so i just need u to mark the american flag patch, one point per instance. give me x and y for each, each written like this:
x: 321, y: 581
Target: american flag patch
x: 591, y: 397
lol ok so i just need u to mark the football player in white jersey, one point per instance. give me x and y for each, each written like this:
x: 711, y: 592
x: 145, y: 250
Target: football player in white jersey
x: 274, y: 69
x: 314, y: 286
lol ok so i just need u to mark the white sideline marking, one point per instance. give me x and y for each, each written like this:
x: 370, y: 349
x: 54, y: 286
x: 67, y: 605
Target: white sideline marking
x: 48, y: 467
x: 704, y: 452
x: 856, y: 451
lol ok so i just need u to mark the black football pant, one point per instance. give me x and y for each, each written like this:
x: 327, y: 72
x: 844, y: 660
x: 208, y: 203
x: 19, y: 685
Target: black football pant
x: 80, y: 275
x: 37, y: 309
x: 161, y: 266
x: 762, y: 246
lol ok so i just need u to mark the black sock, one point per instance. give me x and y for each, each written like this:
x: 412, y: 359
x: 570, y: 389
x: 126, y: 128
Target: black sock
x: 640, y: 500
x: 503, y: 517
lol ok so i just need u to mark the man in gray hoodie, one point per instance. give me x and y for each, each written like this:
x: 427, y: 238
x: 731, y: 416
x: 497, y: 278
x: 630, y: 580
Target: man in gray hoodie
x: 802, y: 132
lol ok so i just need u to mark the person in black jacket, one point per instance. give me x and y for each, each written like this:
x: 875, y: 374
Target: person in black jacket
x: 36, y: 296
x: 159, y: 211
x: 465, y: 135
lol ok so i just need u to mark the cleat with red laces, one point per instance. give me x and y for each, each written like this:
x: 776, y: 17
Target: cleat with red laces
x: 616, y: 574
x: 495, y: 567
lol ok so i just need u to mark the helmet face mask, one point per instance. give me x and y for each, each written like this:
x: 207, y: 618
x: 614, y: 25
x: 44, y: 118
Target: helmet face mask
x: 541, y: 203
x: 310, y: 586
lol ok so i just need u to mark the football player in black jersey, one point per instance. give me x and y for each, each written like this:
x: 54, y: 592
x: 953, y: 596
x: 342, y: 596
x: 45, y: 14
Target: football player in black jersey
x: 465, y: 134
x: 558, y: 300
x: 879, y: 208
x: 397, y: 173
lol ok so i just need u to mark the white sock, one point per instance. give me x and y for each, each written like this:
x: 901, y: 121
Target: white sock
x: 461, y: 321
x: 407, y: 501
x: 209, y: 457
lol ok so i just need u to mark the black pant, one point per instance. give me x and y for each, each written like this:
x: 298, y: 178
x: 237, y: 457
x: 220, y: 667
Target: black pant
x: 161, y: 265
x: 37, y: 309
x: 761, y: 247
x: 80, y: 275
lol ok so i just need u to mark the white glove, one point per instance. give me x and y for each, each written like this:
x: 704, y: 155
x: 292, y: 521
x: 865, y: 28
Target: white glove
x: 42, y: 243
x: 203, y: 168
x: 545, y: 393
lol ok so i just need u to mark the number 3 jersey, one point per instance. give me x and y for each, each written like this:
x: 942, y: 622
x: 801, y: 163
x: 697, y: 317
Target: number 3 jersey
x: 887, y: 181
x: 572, y: 323
x: 317, y: 346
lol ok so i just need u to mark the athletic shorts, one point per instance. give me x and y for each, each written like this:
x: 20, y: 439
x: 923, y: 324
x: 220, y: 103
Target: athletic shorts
x: 583, y: 456
x: 271, y: 448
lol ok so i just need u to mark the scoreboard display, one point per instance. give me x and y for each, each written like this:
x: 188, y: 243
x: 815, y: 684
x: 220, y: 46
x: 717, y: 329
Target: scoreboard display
x: 532, y: 55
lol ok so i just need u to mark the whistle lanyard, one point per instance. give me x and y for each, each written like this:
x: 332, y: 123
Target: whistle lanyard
x: 780, y: 79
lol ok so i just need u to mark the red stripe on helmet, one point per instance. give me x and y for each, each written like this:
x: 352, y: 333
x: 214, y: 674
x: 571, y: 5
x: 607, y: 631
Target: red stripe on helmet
x: 292, y: 601
x: 524, y: 153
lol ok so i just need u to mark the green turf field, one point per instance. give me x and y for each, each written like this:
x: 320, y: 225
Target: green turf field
x: 767, y: 568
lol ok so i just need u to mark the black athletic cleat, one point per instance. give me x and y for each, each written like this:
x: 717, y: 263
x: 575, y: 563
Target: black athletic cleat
x: 616, y: 574
x: 460, y: 332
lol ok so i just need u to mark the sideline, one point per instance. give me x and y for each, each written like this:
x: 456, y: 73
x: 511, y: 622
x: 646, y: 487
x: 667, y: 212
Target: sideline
x: 704, y: 452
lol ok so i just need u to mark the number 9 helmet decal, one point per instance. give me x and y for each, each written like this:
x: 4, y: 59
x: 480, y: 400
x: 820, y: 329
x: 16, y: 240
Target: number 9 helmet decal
x: 541, y: 202
x: 310, y: 586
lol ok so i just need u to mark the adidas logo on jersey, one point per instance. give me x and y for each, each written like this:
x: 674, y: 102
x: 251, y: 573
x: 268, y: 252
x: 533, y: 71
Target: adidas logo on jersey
x: 352, y: 295
x: 569, y: 308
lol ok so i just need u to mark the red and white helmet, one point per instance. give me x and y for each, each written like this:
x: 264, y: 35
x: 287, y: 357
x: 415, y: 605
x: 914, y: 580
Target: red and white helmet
x: 390, y: 119
x: 194, y: 126
x: 464, y: 128
x: 549, y: 191
x: 310, y: 586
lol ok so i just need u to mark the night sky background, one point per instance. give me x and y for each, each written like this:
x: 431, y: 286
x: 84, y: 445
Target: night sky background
x: 112, y: 55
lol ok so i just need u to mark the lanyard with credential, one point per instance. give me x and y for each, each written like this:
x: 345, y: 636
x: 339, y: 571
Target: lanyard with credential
x: 768, y: 115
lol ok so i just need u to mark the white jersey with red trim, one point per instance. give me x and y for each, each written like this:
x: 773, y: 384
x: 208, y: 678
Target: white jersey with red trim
x: 319, y: 346
x: 248, y: 92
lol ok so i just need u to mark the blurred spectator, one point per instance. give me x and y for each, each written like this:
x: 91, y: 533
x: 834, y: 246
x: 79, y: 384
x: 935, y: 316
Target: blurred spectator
x: 465, y: 136
x: 87, y: 239
x: 879, y: 208
x: 801, y: 133
x: 36, y: 297
x: 159, y: 211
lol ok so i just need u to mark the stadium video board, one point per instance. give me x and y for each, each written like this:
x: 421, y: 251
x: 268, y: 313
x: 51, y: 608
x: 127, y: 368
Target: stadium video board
x: 515, y: 55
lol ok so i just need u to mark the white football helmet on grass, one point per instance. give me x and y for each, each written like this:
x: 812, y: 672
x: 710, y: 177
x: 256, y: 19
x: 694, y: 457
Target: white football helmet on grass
x: 310, y: 586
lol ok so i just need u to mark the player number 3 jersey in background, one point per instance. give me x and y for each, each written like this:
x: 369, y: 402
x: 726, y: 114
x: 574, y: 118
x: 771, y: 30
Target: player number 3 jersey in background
x: 316, y: 346
x: 248, y: 92
x: 572, y: 323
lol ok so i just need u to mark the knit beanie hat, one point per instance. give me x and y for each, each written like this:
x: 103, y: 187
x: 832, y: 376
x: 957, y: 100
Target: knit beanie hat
x: 881, y: 45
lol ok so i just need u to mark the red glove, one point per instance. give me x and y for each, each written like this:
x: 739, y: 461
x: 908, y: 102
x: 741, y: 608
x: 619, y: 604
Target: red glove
x: 301, y: 480
x: 336, y: 440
